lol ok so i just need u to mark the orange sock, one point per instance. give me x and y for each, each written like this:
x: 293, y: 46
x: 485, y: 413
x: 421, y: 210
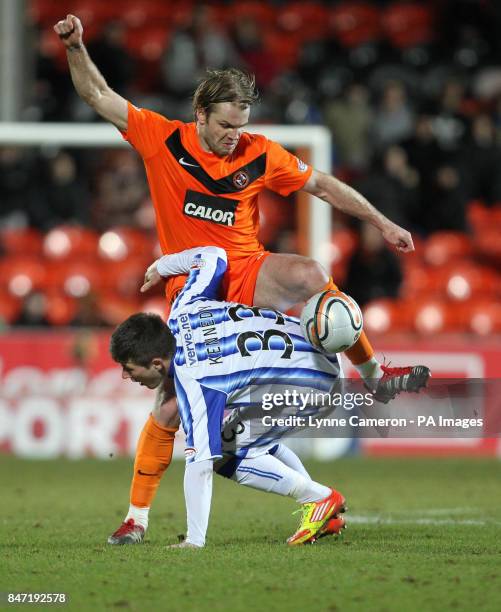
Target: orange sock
x: 153, y: 456
x: 362, y: 350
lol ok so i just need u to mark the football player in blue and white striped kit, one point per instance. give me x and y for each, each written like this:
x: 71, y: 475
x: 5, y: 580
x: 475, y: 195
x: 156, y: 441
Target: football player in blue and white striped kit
x: 225, y: 356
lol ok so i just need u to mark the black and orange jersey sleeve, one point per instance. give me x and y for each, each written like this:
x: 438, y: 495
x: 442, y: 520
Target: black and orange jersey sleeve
x: 146, y: 130
x: 285, y: 172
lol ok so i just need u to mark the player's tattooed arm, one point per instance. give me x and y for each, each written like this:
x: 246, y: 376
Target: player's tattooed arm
x: 88, y: 81
x: 348, y: 200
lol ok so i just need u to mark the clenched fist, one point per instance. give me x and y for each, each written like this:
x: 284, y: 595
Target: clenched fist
x: 70, y: 31
x: 398, y: 237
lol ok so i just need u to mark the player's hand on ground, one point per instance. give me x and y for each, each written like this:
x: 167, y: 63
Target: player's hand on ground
x: 70, y: 31
x: 151, y: 277
x: 398, y: 237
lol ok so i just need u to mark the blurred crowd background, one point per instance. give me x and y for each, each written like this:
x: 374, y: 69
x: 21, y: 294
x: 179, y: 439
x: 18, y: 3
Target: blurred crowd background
x: 411, y: 92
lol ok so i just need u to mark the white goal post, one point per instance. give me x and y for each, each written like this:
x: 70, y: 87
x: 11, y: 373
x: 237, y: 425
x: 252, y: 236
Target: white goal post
x: 315, y: 138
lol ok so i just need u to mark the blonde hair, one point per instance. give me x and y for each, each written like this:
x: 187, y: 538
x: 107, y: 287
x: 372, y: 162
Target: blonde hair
x: 229, y: 85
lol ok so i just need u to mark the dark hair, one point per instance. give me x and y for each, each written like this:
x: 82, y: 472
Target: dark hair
x: 230, y: 85
x: 141, y: 338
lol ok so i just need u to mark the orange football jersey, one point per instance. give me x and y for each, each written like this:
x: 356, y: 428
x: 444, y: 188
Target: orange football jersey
x: 201, y: 199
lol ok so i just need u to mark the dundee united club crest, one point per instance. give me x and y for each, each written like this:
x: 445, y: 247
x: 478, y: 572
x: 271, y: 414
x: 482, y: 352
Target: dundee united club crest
x: 241, y: 179
x: 301, y: 166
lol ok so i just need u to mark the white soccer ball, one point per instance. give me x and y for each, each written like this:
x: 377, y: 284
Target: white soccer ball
x: 331, y: 321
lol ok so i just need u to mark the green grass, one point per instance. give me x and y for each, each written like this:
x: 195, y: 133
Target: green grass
x: 56, y: 517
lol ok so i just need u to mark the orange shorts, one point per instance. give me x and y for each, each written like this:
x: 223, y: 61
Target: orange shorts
x: 239, y: 282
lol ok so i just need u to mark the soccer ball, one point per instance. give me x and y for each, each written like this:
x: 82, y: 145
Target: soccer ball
x: 331, y: 321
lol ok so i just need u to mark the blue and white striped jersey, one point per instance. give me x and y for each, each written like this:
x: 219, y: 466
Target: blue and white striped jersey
x: 229, y: 355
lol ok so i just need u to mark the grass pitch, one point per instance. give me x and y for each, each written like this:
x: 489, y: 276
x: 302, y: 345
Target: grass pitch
x: 424, y: 535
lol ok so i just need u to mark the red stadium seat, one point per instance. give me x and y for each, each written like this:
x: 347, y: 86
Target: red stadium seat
x: 181, y: 12
x: 386, y: 316
x: 284, y: 49
x: 488, y: 243
x: 148, y: 42
x: 21, y: 275
x: 48, y: 12
x: 125, y: 278
x: 65, y: 242
x: 483, y: 317
x: 10, y: 308
x: 478, y: 215
x: 51, y: 46
x: 114, y: 309
x: 444, y: 247
x: 308, y: 20
x: 96, y: 12
x: 153, y: 13
x: 21, y: 241
x: 156, y: 305
x: 495, y: 215
x: 436, y: 316
x: 76, y: 279
x: 408, y: 24
x: 61, y: 309
x: 262, y: 12
x: 120, y: 243
x: 343, y: 244
x: 355, y: 23
x: 460, y: 282
x: 135, y: 15
x: 420, y: 280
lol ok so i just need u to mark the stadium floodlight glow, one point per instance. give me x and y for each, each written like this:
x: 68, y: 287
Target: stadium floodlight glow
x: 315, y: 138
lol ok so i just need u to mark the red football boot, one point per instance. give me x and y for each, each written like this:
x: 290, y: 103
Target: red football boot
x: 410, y: 379
x: 127, y: 533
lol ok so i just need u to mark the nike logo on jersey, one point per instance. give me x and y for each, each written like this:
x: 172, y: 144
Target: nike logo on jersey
x: 185, y: 163
x: 146, y: 473
x: 238, y: 180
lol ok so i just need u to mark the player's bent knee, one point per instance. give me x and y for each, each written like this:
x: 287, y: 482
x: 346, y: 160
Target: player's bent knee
x: 310, y: 278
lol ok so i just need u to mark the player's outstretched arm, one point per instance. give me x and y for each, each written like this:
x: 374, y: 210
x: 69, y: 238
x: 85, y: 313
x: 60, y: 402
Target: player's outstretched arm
x: 151, y: 277
x: 348, y: 200
x: 88, y: 81
x: 205, y: 266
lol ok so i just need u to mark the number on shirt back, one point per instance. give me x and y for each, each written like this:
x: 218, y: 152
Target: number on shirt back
x: 264, y: 342
x: 234, y: 313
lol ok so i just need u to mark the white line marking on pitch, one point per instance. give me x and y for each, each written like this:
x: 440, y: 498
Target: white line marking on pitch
x: 439, y: 511
x: 380, y: 520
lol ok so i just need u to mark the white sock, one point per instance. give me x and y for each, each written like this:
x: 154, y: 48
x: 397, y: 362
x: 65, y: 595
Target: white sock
x: 198, y: 495
x: 310, y: 491
x: 267, y: 473
x: 288, y: 457
x: 370, y: 369
x: 140, y: 516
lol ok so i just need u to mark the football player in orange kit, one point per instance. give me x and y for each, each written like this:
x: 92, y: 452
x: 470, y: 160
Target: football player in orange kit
x: 204, y: 179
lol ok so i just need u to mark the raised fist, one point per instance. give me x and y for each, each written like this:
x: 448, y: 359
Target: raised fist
x: 70, y: 31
